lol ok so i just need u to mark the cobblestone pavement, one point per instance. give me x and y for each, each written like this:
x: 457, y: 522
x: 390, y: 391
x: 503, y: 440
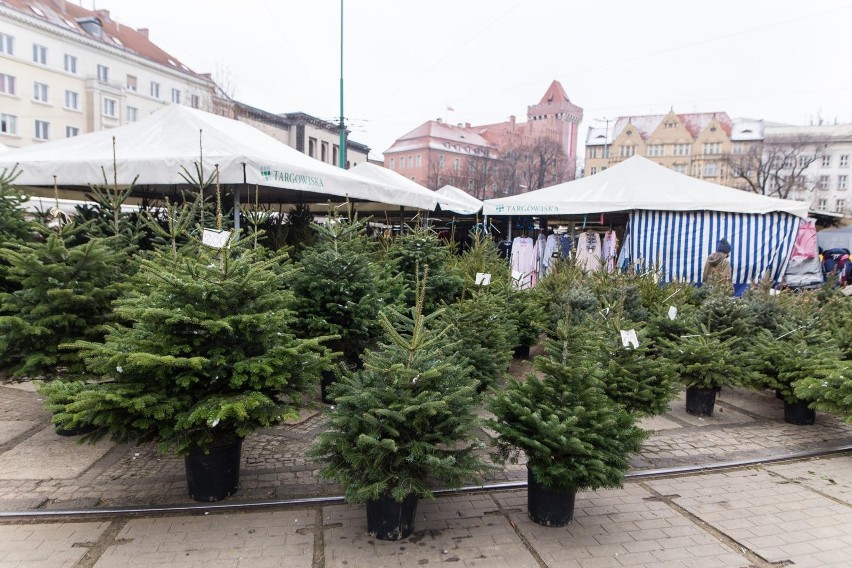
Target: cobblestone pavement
x: 768, y: 516
x: 41, y: 470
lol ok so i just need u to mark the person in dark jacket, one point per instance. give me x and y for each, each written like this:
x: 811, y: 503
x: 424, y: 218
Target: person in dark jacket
x: 717, y: 267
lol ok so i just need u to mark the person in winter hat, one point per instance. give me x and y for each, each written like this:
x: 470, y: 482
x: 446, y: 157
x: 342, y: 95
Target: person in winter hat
x: 717, y: 267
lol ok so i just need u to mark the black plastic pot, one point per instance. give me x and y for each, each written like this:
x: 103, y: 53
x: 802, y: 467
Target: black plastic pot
x: 327, y: 378
x: 522, y: 352
x: 798, y: 413
x: 549, y: 507
x: 216, y: 475
x: 76, y: 431
x: 699, y: 401
x: 388, y: 519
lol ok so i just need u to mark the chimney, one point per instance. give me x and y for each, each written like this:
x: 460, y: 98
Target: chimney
x: 143, y: 32
x: 467, y: 125
x: 439, y: 120
x: 512, y: 119
x: 103, y: 15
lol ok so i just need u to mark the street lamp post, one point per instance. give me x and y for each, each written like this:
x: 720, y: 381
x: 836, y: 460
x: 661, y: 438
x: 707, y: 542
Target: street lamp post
x: 342, y: 153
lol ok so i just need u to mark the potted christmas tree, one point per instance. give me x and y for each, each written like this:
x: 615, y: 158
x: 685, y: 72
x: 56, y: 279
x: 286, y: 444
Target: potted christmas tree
x: 573, y: 435
x: 340, y: 288
x: 203, y: 354
x: 405, y: 420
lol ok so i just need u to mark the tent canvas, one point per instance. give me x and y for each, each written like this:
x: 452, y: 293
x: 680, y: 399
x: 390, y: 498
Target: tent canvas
x: 638, y: 183
x: 157, y: 147
x: 449, y: 192
x: 835, y: 238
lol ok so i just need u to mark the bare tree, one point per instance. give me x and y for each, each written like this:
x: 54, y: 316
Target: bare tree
x: 777, y: 167
x: 481, y: 169
x: 506, y: 176
x: 435, y: 173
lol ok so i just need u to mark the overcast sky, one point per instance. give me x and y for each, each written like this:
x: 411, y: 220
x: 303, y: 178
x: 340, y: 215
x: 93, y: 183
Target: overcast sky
x: 406, y: 62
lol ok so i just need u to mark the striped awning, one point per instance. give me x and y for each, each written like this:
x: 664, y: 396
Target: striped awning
x: 678, y: 243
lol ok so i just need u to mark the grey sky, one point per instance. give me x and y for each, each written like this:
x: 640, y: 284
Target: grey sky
x: 406, y: 62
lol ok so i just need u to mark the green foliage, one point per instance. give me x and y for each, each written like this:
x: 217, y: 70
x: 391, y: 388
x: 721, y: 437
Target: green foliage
x: 418, y: 250
x: 14, y: 227
x: 64, y: 294
x: 482, y: 256
x: 836, y: 317
x: 572, y: 433
x: 554, y: 293
x: 527, y: 316
x: 830, y: 390
x: 485, y: 334
x: 720, y: 312
x: 407, y: 418
x: 635, y: 378
x: 703, y: 359
x: 340, y: 288
x: 204, y: 352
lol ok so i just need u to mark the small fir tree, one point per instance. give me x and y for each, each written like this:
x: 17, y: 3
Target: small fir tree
x: 407, y: 418
x: 704, y: 360
x: 573, y: 435
x: 413, y: 252
x: 14, y: 226
x: 64, y: 294
x: 204, y: 353
x: 340, y: 288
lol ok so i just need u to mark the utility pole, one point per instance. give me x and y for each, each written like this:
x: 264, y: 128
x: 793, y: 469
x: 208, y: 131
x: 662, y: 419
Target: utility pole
x: 342, y: 154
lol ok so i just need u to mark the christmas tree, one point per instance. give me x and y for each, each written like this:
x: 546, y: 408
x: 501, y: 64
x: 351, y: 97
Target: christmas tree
x: 14, y: 227
x: 573, y: 435
x: 204, y: 352
x: 408, y: 418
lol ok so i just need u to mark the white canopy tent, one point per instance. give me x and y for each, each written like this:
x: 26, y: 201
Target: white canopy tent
x: 391, y: 178
x: 638, y: 184
x: 158, y: 148
x: 675, y: 220
x: 450, y: 192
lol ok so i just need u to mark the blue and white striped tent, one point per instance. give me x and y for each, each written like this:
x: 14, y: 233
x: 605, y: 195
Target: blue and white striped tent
x: 675, y: 220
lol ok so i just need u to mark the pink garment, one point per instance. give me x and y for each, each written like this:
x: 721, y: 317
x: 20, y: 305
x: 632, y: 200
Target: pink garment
x: 805, y: 245
x: 608, y: 251
x: 523, y: 261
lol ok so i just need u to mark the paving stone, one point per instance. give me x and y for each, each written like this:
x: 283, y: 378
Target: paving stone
x: 47, y: 455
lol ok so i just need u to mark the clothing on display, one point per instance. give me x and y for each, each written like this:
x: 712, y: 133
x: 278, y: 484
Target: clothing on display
x: 523, y: 261
x: 608, y: 251
x: 589, y: 251
x: 565, y: 243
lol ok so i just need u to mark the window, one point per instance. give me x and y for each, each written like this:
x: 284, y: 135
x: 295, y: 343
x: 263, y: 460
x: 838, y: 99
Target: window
x: 7, y: 85
x: 823, y: 182
x: 844, y: 161
x: 627, y: 150
x: 839, y: 205
x: 737, y: 148
x: 593, y: 170
x: 39, y: 54
x: 681, y: 149
x: 593, y: 152
x: 70, y: 64
x: 418, y: 161
x: 656, y: 150
x: 441, y: 162
x: 194, y: 101
x: 324, y: 152
x: 822, y: 204
x: 803, y: 161
x: 391, y: 163
x: 110, y: 107
x: 72, y: 100
x: 71, y: 131
x: 410, y: 162
x: 7, y: 44
x: 456, y: 164
x: 42, y: 130
x: 40, y: 92
x: 103, y: 73
x: 826, y: 161
x: 710, y: 170
x: 8, y: 124
x: 335, y: 150
x: 401, y: 163
x: 155, y: 90
x: 132, y: 83
x: 176, y: 96
x: 680, y: 168
x: 312, y: 147
x: 712, y: 148
x: 132, y: 114
x: 842, y: 182
x: 789, y: 162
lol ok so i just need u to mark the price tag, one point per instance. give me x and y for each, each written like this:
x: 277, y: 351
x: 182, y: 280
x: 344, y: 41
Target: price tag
x: 628, y: 339
x: 672, y: 312
x: 214, y: 238
x: 483, y: 279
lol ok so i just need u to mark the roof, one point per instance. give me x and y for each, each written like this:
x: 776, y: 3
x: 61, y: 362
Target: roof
x: 449, y: 192
x: 156, y: 150
x: 391, y: 178
x: 68, y: 15
x: 747, y: 129
x: 639, y: 183
x: 555, y: 93
x: 456, y: 137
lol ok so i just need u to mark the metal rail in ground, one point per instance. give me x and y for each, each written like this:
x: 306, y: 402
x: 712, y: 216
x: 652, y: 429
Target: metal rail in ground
x: 75, y: 514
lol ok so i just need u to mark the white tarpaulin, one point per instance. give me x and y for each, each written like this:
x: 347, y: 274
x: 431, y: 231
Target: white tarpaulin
x: 449, y: 192
x: 389, y: 177
x: 638, y: 184
x: 157, y: 147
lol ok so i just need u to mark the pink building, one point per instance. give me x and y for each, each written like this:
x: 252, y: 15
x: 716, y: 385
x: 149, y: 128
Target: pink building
x: 478, y: 159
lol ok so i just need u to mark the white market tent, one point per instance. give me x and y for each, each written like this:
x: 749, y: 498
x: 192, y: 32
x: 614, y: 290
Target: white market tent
x: 675, y: 220
x: 391, y: 178
x: 158, y: 147
x: 449, y: 192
